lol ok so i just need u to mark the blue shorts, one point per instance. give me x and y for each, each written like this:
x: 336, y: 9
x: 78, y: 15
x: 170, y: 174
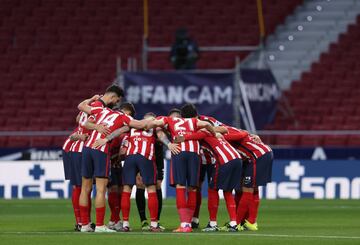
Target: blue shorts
x: 227, y: 177
x: 248, y: 174
x: 75, y: 178
x: 138, y: 163
x: 206, y: 169
x: 185, y: 169
x: 264, y: 169
x: 94, y: 163
x: 115, y: 176
x: 67, y: 165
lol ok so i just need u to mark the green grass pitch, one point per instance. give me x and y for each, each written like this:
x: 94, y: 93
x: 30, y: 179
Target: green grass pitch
x: 280, y: 222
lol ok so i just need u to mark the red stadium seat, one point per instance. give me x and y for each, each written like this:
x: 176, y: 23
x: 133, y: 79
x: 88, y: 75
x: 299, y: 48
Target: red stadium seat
x: 311, y: 140
x: 66, y: 50
x: 18, y: 141
x: 43, y: 141
x: 335, y: 140
x: 3, y: 141
x: 287, y: 140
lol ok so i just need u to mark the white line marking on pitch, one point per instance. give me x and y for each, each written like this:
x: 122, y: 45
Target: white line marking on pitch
x: 184, y: 234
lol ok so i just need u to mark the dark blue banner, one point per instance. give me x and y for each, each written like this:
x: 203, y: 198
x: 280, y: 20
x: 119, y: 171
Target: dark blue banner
x: 308, y: 179
x: 159, y: 92
x: 263, y: 93
x: 314, y: 179
x: 212, y: 93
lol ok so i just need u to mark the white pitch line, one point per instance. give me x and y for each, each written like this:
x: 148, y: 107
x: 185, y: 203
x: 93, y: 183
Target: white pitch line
x: 181, y: 234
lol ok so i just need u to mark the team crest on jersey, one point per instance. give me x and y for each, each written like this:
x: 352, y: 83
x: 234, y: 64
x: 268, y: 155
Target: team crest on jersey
x: 247, y: 180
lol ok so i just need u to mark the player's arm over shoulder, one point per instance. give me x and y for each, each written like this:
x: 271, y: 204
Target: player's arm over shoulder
x: 86, y: 107
x: 202, y: 124
x: 158, y: 122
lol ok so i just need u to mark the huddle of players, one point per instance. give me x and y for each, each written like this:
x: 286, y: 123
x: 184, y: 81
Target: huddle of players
x: 231, y: 158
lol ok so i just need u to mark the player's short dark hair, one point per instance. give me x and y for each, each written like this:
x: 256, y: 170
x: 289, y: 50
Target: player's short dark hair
x: 115, y: 89
x: 151, y: 114
x: 188, y: 111
x: 174, y: 110
x: 129, y: 107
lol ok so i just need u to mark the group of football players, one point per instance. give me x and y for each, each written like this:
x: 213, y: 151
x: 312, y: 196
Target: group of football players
x: 114, y: 151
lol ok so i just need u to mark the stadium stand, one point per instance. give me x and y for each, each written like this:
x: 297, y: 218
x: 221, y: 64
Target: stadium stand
x: 326, y: 97
x: 232, y: 24
x: 53, y: 53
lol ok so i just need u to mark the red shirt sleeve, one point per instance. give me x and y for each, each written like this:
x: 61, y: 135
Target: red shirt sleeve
x: 95, y: 110
x: 235, y: 135
x: 126, y: 119
x: 195, y: 121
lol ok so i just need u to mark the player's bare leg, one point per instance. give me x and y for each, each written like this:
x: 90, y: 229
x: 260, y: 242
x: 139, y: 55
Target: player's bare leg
x: 86, y: 188
x: 100, y: 205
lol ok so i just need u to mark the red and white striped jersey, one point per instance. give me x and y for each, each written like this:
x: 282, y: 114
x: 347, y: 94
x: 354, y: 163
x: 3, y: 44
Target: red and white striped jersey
x: 68, y: 142
x: 223, y: 150
x: 245, y: 144
x: 141, y: 142
x: 207, y: 156
x: 182, y: 126
x: 78, y: 145
x: 112, y: 120
x: 252, y: 149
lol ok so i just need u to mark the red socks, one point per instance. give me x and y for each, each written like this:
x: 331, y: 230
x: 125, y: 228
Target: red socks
x: 191, y: 205
x: 237, y: 198
x: 230, y: 205
x: 153, y: 206
x: 254, y: 208
x: 84, y: 214
x: 89, y: 206
x: 213, y: 204
x: 125, y: 205
x: 75, y: 203
x: 198, y: 204
x: 114, y: 204
x: 244, y: 206
x: 181, y: 204
x: 100, y: 216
